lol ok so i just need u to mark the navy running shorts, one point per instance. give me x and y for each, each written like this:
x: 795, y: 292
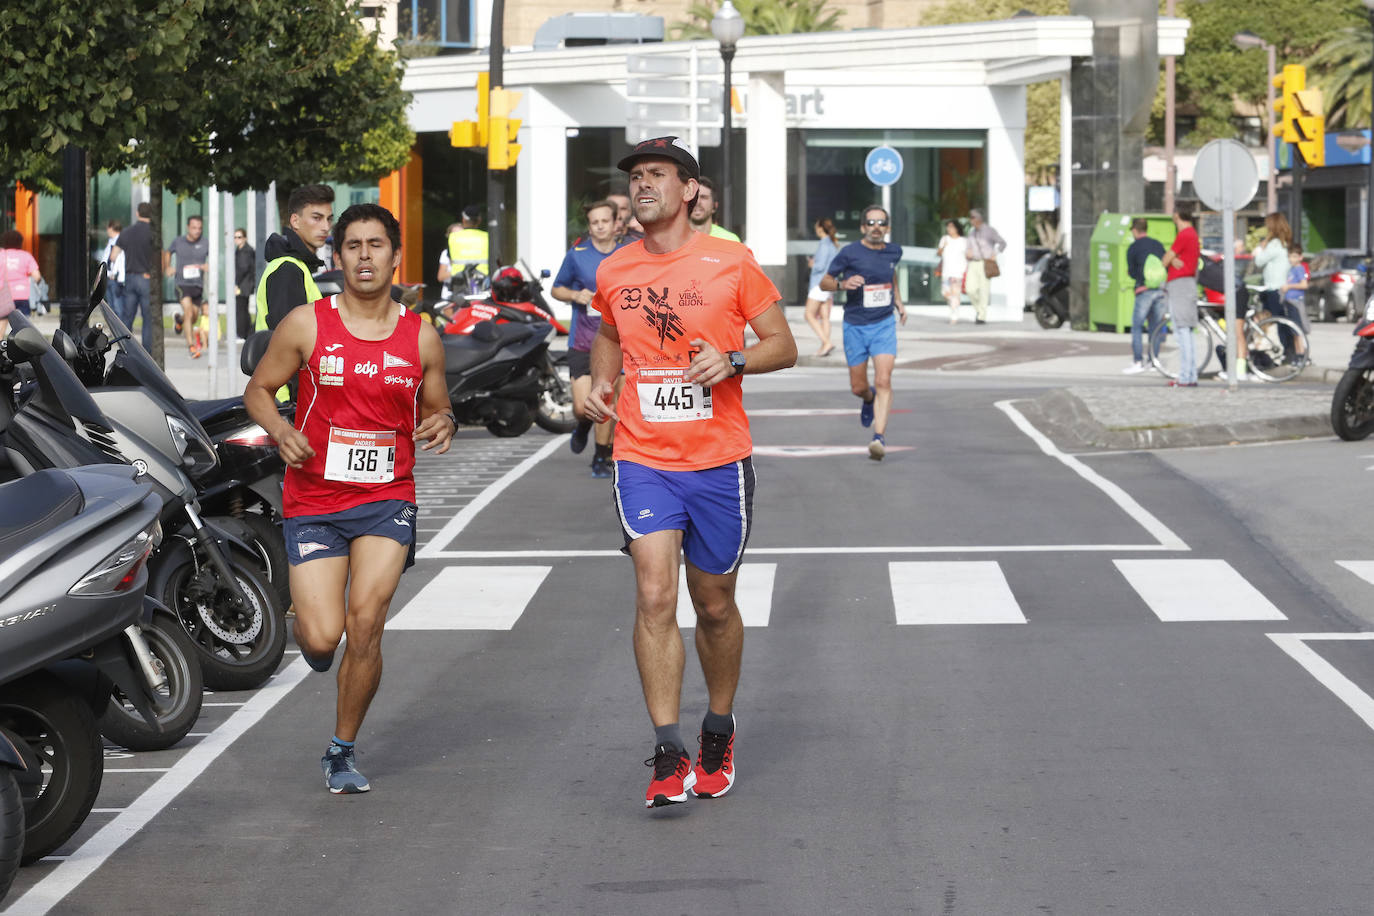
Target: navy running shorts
x: 713, y: 508
x: 313, y: 537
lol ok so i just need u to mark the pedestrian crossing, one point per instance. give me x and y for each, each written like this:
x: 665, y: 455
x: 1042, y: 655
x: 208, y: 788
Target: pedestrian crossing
x: 922, y: 593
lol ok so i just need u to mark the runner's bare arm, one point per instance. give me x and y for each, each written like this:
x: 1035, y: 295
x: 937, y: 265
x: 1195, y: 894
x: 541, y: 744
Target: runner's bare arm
x: 607, y: 361
x: 897, y: 300
x: 290, y: 346
x: 438, y: 426
x: 775, y: 350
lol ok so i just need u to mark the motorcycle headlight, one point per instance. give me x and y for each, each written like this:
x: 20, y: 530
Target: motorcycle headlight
x: 118, y: 571
x: 251, y: 436
x: 197, y: 453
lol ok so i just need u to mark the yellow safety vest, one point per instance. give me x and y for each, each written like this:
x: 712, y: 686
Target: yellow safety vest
x: 467, y: 246
x: 720, y: 232
x: 312, y: 291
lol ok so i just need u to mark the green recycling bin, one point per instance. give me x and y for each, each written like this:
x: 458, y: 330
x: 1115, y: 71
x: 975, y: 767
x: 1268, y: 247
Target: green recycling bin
x: 1111, y: 296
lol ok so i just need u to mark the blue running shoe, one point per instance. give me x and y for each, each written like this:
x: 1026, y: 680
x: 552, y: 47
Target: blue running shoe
x: 579, y: 436
x: 340, y: 773
x: 866, y: 411
x: 319, y: 663
x: 877, y: 448
x: 601, y: 468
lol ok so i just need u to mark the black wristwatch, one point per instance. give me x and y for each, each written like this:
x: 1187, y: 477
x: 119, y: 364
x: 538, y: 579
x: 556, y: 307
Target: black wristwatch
x: 736, y: 362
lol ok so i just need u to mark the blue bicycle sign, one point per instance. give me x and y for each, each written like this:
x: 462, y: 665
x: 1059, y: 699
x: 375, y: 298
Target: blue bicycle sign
x: 883, y: 166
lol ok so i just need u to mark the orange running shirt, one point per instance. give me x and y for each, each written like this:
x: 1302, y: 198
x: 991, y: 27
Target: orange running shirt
x: 710, y: 288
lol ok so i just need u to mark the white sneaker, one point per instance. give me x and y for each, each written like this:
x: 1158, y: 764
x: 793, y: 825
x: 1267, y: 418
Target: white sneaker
x: 1133, y: 369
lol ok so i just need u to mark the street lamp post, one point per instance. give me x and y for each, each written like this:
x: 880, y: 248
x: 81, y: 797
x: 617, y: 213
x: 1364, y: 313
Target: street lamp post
x: 1369, y: 193
x: 1251, y: 40
x: 728, y: 28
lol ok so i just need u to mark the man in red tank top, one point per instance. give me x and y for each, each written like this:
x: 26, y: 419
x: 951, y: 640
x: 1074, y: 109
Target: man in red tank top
x: 371, y: 377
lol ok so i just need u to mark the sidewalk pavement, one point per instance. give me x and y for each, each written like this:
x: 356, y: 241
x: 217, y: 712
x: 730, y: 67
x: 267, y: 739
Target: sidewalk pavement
x: 1090, y: 404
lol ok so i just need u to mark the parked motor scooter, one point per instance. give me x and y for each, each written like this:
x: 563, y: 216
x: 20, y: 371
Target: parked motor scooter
x: 1052, y: 306
x: 205, y: 571
x: 1352, y: 403
x: 496, y: 375
x: 73, y: 551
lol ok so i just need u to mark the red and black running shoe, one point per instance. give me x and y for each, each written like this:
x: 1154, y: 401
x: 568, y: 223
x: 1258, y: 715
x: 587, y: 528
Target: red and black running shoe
x: 714, y: 773
x: 673, y: 776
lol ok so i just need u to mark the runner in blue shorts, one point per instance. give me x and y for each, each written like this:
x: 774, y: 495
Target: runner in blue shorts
x: 867, y: 271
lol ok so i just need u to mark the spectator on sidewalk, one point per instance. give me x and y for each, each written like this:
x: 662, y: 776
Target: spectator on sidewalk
x: 1181, y: 292
x: 1294, y: 292
x: 1149, y: 299
x: 818, y: 301
x: 245, y: 275
x: 17, y: 266
x: 984, y: 244
x: 135, y: 246
x: 953, y: 251
x: 114, y: 271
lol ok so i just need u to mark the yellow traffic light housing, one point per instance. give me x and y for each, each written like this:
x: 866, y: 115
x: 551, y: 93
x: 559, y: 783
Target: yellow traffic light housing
x: 1290, y: 82
x: 472, y: 133
x: 502, y: 151
x: 1310, y: 124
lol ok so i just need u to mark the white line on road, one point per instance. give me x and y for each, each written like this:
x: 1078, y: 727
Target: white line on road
x: 1124, y: 500
x: 471, y: 598
x: 837, y: 550
x: 1295, y: 644
x: 1362, y: 568
x: 1196, y: 590
x: 455, y: 525
x: 938, y: 592
x: 93, y: 853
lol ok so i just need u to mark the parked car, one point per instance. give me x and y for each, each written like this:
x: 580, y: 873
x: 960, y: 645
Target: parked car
x: 1335, y: 284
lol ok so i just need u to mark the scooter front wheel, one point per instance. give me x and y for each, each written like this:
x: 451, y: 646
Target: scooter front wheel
x: 55, y: 732
x: 1352, y: 405
x: 1045, y: 314
x: 11, y: 829
x: 555, y: 410
x: 176, y: 705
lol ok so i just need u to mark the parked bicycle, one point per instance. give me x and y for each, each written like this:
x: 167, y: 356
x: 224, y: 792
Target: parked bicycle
x: 1268, y: 359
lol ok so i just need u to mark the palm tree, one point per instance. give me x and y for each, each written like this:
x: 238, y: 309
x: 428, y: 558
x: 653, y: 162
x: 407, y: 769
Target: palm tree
x: 1342, y: 63
x: 762, y: 17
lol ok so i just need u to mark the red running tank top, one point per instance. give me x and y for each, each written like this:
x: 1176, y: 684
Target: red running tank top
x: 358, y: 403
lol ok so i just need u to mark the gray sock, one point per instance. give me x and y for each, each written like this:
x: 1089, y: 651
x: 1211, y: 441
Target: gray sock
x: 670, y: 735
x: 717, y: 724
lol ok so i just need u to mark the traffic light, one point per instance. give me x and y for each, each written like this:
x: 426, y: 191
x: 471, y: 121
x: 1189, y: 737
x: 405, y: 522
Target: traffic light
x: 1311, y: 127
x: 1290, y: 82
x: 473, y: 133
x: 502, y: 129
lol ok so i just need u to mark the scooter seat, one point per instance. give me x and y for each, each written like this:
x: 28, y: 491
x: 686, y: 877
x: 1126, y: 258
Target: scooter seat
x: 463, y: 351
x: 206, y: 410
x: 35, y: 504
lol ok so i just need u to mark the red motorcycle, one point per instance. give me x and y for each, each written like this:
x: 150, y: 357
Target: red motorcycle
x: 515, y: 300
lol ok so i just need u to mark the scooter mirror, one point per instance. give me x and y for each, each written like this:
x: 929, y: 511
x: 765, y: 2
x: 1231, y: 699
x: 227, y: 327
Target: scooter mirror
x: 29, y: 342
x: 64, y: 345
x: 97, y: 290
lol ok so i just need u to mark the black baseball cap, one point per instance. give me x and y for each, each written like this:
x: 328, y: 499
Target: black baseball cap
x: 662, y: 148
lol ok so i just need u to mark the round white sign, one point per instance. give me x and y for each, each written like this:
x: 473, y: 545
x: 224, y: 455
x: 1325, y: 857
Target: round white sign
x: 1225, y: 176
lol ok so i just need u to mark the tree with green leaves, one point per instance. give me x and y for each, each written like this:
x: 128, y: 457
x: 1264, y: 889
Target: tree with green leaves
x: 762, y: 17
x: 87, y: 72
x: 292, y: 91
x: 1341, y: 66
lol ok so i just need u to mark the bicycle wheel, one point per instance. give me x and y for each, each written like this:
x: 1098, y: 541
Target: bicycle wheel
x: 1267, y: 359
x: 1164, y: 349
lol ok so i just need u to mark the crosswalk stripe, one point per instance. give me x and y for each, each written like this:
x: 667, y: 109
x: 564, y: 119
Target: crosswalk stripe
x: 1196, y: 590
x: 1362, y: 568
x: 753, y: 594
x: 472, y: 598
x: 955, y: 592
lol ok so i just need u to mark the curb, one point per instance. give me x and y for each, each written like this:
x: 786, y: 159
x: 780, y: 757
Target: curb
x: 1071, y: 425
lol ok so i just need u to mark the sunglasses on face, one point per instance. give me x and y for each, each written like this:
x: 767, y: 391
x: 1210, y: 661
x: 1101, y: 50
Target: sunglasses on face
x: 875, y: 222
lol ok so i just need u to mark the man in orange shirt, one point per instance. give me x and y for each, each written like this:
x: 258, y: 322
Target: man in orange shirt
x: 674, y: 307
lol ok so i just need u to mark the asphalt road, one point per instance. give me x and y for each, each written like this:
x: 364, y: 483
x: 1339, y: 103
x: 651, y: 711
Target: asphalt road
x: 980, y: 677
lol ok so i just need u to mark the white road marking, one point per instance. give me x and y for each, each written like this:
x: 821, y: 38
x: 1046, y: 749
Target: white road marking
x: 1158, y: 530
x: 93, y: 853
x: 455, y: 525
x: 836, y: 550
x: 820, y: 451
x: 753, y: 594
x: 1178, y: 590
x: 472, y: 598
x: 1362, y: 568
x: 1295, y: 644
x: 936, y: 592
x: 811, y: 411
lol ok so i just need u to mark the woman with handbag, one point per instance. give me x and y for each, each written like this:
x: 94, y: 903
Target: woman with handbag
x: 818, y: 301
x: 984, y: 244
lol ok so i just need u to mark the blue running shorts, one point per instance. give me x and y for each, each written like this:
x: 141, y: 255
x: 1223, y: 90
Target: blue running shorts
x: 713, y: 508
x: 863, y: 341
x: 313, y: 537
